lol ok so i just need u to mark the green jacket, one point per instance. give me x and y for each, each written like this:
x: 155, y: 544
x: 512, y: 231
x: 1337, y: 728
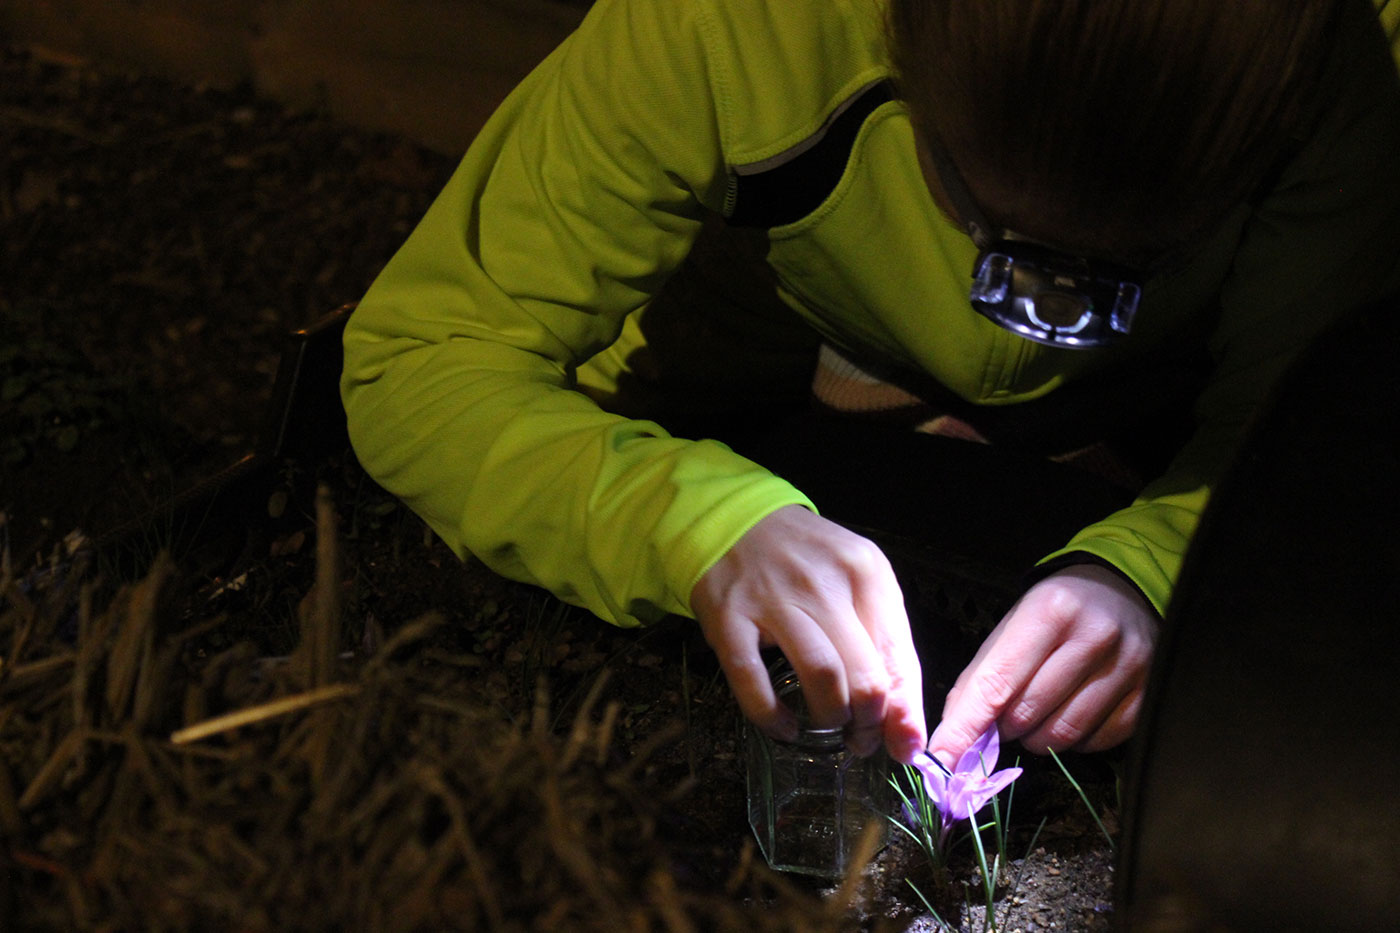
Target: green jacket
x: 588, y: 187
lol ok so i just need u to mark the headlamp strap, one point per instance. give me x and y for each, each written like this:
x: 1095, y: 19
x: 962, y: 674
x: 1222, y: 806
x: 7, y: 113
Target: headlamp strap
x: 982, y: 231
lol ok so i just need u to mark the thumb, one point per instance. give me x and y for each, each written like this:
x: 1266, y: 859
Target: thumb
x: 965, y: 719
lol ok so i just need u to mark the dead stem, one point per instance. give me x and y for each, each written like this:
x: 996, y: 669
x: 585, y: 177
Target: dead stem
x: 11, y: 821
x: 415, y: 631
x: 539, y: 716
x: 604, y: 733
x: 321, y: 626
x: 741, y: 871
x: 661, y: 890
x: 135, y: 637
x: 22, y: 676
x: 265, y: 711
x: 432, y: 781
x: 22, y: 605
x: 564, y: 841
x: 582, y: 725
x: 417, y: 906
x: 92, y: 634
x: 52, y: 770
x: 153, y: 679
x: 157, y: 790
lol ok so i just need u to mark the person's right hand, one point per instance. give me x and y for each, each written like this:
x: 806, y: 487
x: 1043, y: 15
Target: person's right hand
x: 828, y: 598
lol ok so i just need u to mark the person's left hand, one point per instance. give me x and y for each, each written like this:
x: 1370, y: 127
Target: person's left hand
x: 1064, y: 669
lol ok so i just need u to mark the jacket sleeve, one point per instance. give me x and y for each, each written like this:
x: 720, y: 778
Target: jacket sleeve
x: 1324, y: 241
x: 570, y: 208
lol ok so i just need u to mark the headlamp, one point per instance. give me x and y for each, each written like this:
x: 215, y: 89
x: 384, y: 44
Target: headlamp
x: 1035, y: 290
x: 1052, y: 297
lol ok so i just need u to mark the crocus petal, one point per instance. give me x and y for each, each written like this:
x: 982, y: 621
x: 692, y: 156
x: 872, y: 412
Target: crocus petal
x: 1001, y: 780
x: 935, y: 778
x: 959, y: 791
x: 971, y: 759
x: 929, y: 764
x: 988, y: 788
x: 962, y: 793
x: 993, y: 749
x: 981, y: 755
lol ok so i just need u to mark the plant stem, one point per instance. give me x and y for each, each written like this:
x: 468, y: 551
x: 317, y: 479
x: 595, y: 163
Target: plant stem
x: 989, y: 884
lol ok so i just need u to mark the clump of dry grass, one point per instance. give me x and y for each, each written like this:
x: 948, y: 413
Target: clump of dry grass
x: 147, y: 785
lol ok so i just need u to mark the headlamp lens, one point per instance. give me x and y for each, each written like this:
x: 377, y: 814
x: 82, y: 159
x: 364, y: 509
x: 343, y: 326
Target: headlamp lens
x: 1053, y: 298
x: 1061, y: 311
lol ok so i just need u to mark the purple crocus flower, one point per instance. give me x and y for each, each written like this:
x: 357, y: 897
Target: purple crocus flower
x: 959, y: 794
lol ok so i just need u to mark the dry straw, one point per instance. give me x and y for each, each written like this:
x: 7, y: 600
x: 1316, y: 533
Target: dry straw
x: 147, y: 783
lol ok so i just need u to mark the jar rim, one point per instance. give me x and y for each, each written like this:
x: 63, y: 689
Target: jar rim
x: 788, y: 687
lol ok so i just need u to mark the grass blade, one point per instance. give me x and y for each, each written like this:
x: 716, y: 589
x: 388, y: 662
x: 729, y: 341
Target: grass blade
x: 1084, y: 797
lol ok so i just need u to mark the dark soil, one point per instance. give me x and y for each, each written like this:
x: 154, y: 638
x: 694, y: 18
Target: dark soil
x: 158, y: 243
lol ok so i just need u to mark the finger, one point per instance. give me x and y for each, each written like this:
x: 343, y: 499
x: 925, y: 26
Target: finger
x: 1063, y: 675
x: 819, y: 666
x: 905, y: 726
x: 852, y: 625
x: 850, y: 686
x: 1088, y: 712
x: 953, y: 699
x: 735, y: 641
x: 900, y: 723
x: 992, y: 682
x: 1101, y: 709
x: 1119, y: 726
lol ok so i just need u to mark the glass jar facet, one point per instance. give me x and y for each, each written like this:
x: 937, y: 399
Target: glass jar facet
x: 810, y: 799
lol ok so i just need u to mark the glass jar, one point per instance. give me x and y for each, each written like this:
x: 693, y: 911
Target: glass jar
x: 810, y: 799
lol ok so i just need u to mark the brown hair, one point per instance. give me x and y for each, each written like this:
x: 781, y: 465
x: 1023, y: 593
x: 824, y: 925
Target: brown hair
x: 1118, y: 128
